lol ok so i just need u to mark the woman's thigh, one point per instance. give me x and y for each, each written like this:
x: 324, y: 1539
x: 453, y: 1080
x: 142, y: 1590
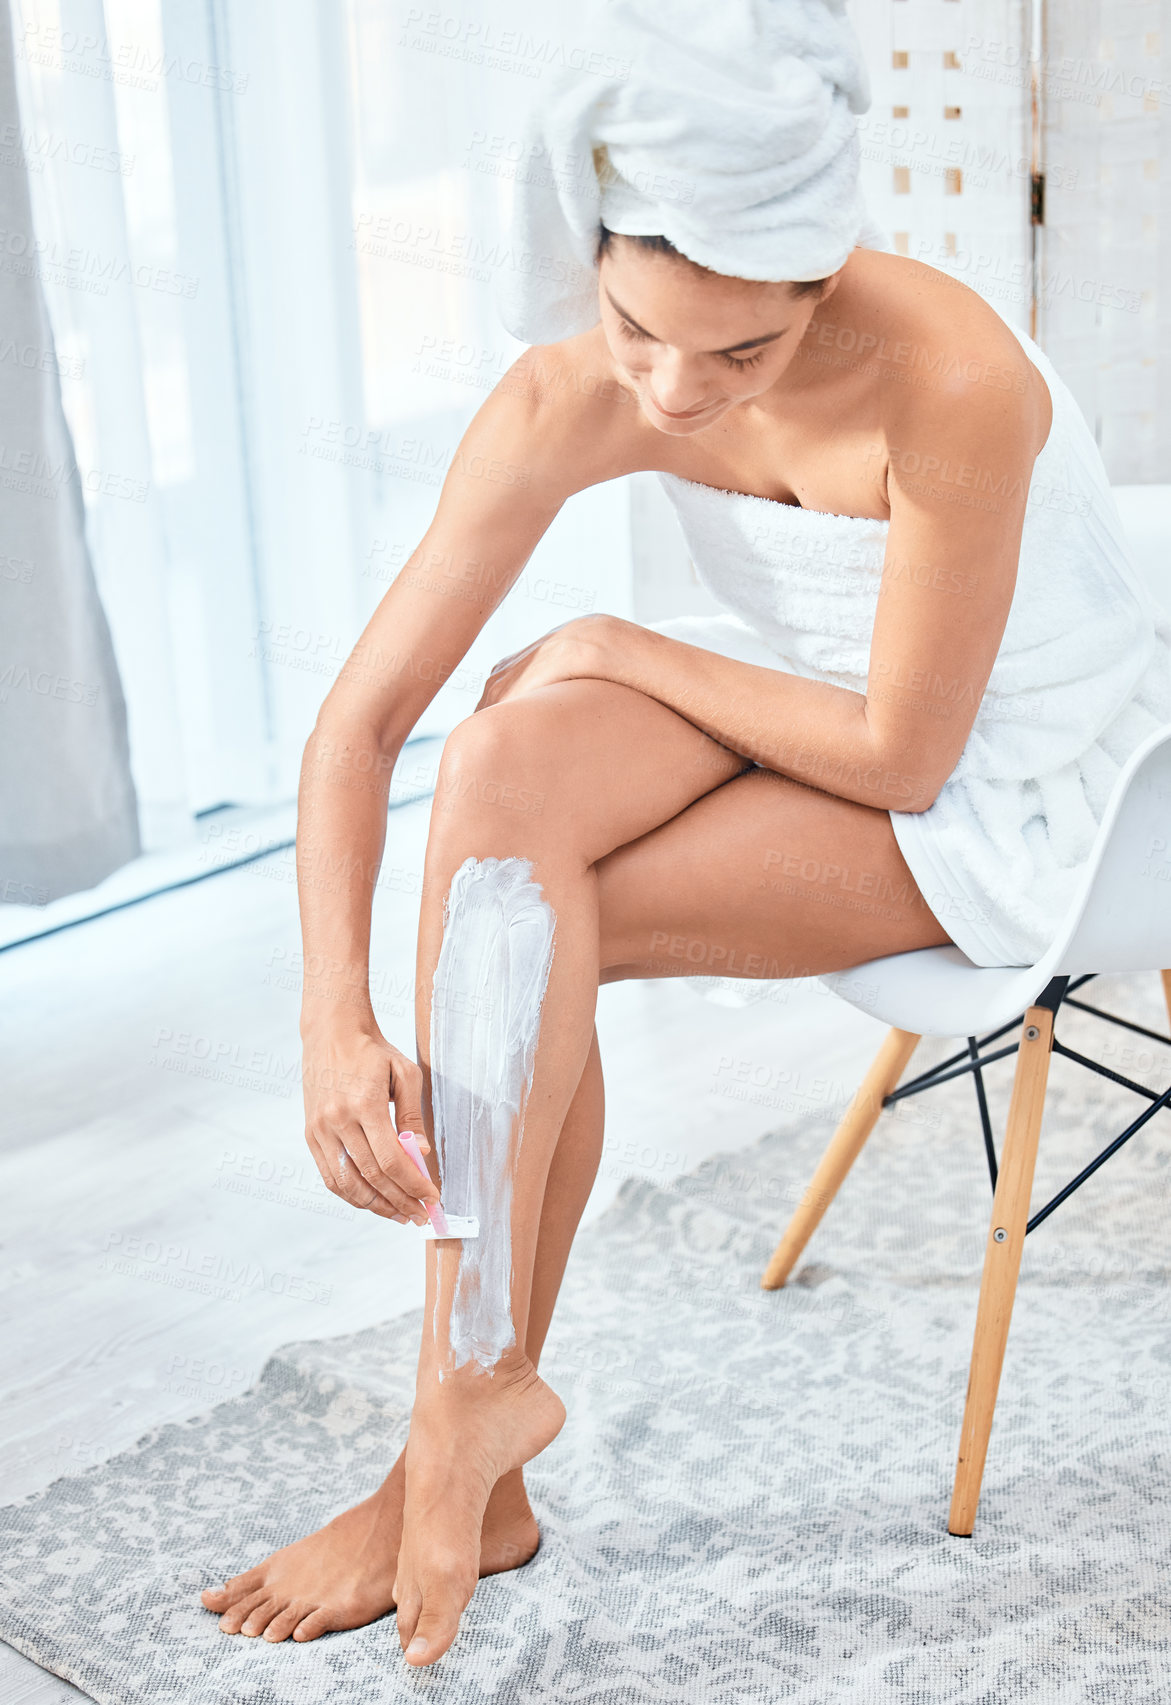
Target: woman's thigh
x: 765, y: 877
x: 569, y: 771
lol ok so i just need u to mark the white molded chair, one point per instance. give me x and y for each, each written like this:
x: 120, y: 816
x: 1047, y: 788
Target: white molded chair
x: 1119, y: 921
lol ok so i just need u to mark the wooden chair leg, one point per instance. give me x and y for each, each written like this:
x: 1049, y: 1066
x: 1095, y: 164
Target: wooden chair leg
x: 1166, y: 975
x: 1002, y: 1261
x: 844, y: 1148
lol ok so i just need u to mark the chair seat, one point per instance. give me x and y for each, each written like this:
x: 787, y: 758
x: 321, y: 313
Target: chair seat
x: 937, y: 991
x: 1119, y: 920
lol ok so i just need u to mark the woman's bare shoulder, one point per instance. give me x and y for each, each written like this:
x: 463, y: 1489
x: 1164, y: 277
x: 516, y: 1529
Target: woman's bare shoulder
x: 564, y: 404
x: 955, y: 356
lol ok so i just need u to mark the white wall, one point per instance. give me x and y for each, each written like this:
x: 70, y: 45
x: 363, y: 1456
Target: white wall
x: 1105, y: 275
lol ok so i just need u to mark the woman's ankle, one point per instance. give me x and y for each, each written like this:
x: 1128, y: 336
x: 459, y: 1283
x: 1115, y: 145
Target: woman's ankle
x: 437, y: 1384
x: 510, y: 1496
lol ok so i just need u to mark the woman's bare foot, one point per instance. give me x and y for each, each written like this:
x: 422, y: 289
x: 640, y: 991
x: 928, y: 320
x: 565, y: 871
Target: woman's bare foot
x: 466, y: 1432
x: 342, y: 1576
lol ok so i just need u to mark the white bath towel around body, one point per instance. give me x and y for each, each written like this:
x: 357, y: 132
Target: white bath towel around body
x: 1082, y: 676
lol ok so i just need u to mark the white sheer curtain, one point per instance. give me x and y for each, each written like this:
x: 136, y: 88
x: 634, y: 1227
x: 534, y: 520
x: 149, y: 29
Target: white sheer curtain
x: 268, y: 235
x: 68, y: 815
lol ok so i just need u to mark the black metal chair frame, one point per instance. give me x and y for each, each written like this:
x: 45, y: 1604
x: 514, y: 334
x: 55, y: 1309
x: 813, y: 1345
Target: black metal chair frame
x: 1012, y: 1180
x: 1056, y: 994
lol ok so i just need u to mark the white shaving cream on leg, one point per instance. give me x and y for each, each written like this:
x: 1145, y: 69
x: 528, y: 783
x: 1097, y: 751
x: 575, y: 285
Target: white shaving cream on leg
x: 485, y: 1016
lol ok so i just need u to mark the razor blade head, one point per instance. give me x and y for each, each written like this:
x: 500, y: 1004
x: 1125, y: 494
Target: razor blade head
x: 457, y: 1226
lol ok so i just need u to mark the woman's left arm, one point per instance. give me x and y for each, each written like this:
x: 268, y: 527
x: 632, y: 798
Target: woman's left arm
x: 959, y: 463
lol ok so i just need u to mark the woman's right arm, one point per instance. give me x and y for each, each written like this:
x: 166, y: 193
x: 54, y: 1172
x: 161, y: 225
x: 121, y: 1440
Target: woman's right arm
x: 506, y: 483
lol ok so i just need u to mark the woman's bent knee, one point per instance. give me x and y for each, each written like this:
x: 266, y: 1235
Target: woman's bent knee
x: 503, y: 758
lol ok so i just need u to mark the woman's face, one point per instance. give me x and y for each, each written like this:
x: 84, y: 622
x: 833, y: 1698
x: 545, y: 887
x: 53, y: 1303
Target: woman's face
x: 694, y: 344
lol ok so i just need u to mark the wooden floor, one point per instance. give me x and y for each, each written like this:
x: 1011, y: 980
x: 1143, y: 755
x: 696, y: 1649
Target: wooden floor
x: 165, y: 1228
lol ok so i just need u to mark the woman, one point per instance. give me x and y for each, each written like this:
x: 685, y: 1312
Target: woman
x: 864, y: 757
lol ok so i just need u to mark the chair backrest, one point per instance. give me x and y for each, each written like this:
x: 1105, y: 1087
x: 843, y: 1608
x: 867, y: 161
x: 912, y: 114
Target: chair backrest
x: 1125, y: 922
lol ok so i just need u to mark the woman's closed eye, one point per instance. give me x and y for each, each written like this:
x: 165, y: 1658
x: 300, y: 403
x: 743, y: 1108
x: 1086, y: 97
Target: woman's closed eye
x: 636, y: 332
x: 743, y: 360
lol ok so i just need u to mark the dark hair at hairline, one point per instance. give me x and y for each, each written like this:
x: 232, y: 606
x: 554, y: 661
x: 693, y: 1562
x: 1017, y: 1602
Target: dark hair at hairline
x: 663, y: 246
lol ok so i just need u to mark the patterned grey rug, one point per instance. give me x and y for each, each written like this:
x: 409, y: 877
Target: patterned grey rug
x: 749, y: 1501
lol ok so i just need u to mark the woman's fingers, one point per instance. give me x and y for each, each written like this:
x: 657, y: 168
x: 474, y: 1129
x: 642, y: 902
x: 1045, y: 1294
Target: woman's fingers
x: 504, y: 674
x: 352, y: 1137
x: 406, y: 1092
x: 394, y: 1165
x: 395, y: 1177
x: 325, y: 1161
x: 343, y: 1178
x: 342, y: 1122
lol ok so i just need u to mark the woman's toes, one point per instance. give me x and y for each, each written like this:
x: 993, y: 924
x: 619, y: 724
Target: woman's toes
x: 433, y: 1635
x: 259, y: 1618
x: 313, y: 1625
x: 436, y: 1628
x: 239, y: 1587
x: 407, y: 1613
x: 234, y: 1618
x: 284, y: 1622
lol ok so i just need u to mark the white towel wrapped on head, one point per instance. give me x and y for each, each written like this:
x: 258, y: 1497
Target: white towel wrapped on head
x: 732, y: 133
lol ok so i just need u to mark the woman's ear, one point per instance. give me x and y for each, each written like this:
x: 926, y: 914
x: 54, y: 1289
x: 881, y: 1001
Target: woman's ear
x: 829, y: 285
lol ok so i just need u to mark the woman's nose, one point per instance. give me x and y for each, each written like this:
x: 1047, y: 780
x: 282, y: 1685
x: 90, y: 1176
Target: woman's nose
x: 676, y: 386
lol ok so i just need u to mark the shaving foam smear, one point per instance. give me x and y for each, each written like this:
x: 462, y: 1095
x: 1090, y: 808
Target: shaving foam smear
x: 485, y: 1017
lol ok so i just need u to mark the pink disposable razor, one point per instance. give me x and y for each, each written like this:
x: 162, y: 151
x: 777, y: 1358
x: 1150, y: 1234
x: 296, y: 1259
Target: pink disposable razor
x: 441, y: 1226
